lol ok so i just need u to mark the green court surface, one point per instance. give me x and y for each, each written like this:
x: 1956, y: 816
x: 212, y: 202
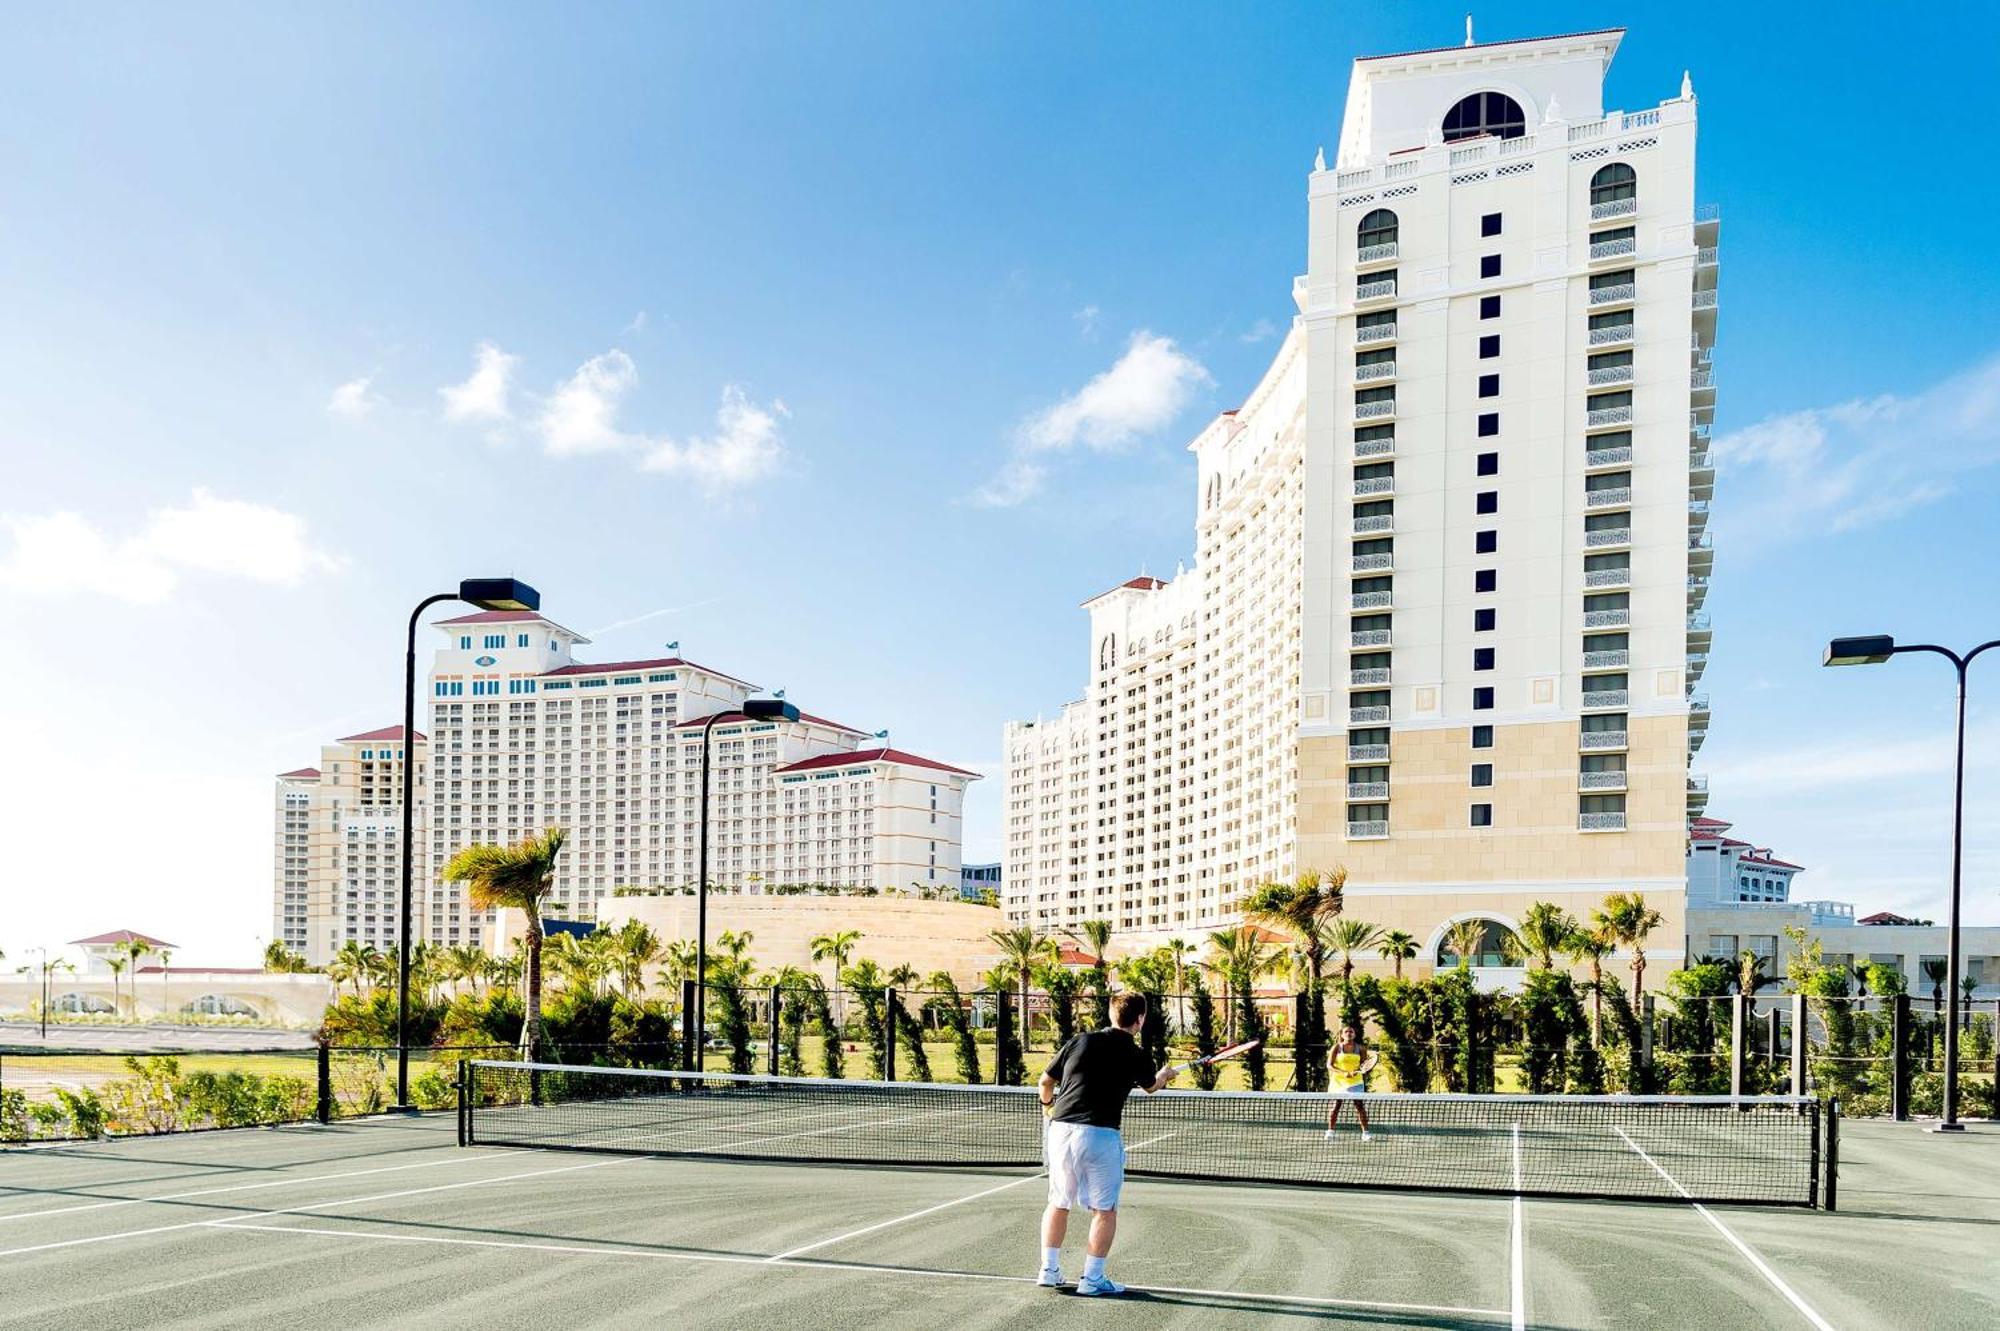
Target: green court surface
x: 388, y: 1223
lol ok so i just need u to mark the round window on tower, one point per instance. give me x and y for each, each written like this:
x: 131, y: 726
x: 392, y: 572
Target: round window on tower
x: 1492, y: 113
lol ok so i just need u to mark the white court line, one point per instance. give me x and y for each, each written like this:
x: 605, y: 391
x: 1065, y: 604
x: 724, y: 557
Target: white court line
x: 244, y: 1187
x: 817, y: 1264
x: 1740, y: 1246
x: 1517, y: 1265
x: 288, y: 1210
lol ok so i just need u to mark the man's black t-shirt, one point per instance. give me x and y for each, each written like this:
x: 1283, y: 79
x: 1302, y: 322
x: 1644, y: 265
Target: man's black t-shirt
x: 1094, y: 1073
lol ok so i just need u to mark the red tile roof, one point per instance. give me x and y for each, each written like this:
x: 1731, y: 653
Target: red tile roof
x: 120, y: 936
x: 1716, y: 823
x: 386, y: 732
x: 732, y: 716
x: 1766, y: 862
x: 494, y: 617
x: 1885, y: 917
x: 1142, y: 583
x: 303, y: 771
x: 654, y: 663
x: 861, y: 756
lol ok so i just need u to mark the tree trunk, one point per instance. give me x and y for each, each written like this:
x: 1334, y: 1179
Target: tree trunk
x: 531, y: 1019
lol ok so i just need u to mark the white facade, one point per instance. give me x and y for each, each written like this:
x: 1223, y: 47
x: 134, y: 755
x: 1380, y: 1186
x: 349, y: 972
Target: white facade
x: 524, y: 737
x: 1722, y: 870
x: 1444, y: 618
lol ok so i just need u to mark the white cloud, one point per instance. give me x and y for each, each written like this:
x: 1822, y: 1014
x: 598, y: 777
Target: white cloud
x: 1142, y: 392
x: 1087, y: 320
x: 1261, y: 331
x: 1862, y: 462
x: 636, y: 325
x: 483, y: 396
x: 63, y: 553
x: 747, y: 446
x: 582, y: 415
x: 354, y: 399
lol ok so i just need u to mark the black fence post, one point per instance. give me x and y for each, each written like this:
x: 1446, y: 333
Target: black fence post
x: 777, y: 1011
x: 1003, y: 1038
x: 1773, y: 1040
x: 1739, y: 1036
x: 464, y: 1102
x: 1899, y: 1058
x: 1831, y: 1155
x: 1642, y: 1075
x: 889, y: 1034
x: 690, y: 1039
x: 1799, y: 1039
x: 323, y: 1085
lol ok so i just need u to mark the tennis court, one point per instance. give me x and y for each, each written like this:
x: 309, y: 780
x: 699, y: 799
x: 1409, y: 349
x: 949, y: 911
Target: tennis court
x: 390, y: 1222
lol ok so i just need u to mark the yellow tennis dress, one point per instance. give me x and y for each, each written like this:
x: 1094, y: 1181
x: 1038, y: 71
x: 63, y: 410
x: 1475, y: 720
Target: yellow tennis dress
x: 1346, y: 1073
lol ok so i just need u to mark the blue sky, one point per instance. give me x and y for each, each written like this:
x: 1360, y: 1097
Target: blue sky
x: 774, y: 309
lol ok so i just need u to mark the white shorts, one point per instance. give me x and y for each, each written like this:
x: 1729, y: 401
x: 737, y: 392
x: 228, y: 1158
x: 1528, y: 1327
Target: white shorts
x: 1086, y: 1166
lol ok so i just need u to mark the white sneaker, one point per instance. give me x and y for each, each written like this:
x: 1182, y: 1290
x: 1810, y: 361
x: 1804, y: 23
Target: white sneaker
x: 1329, y: 1134
x: 1050, y: 1278
x: 1365, y: 1137
x: 1102, y: 1285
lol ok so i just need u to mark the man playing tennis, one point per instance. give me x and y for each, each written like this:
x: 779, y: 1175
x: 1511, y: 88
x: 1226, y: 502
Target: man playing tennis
x: 1083, y: 1091
x: 1348, y: 1065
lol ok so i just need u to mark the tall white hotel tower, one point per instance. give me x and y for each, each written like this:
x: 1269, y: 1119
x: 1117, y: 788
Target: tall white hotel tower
x: 1445, y: 618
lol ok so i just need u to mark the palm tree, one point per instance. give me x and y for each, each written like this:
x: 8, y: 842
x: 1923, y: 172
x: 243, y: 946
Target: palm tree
x: 351, y: 964
x: 135, y: 948
x: 1465, y: 939
x: 1934, y: 971
x: 1300, y: 907
x: 1095, y: 935
x: 1346, y: 937
x: 1021, y: 949
x: 467, y: 963
x: 836, y: 947
x: 1180, y: 952
x: 117, y: 965
x: 520, y: 877
x: 1750, y: 976
x: 637, y: 947
x: 1396, y: 946
x: 1240, y: 957
x: 680, y: 957
x: 1627, y: 918
x: 1545, y: 930
x: 1593, y: 946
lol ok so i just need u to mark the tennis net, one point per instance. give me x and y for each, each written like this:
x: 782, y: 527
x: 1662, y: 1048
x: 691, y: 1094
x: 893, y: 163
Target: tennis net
x: 1763, y: 1149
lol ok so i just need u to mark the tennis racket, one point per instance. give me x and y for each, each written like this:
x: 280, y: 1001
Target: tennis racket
x: 1220, y: 1055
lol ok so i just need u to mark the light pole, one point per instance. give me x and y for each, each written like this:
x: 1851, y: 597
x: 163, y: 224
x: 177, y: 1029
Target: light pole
x: 487, y: 594
x: 753, y: 709
x: 1873, y: 650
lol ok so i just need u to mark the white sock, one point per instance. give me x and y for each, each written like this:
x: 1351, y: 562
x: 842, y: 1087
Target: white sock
x: 1052, y: 1259
x: 1093, y: 1268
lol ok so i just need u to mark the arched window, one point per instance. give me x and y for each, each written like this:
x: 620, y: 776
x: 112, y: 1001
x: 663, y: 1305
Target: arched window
x: 1485, y: 113
x: 1107, y: 652
x: 1614, y: 182
x: 1494, y: 948
x: 1378, y: 228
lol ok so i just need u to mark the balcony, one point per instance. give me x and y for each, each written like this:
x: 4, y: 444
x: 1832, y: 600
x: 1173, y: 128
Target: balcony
x: 1373, y: 677
x: 1369, y: 638
x: 1604, y: 536
x: 1697, y: 663
x: 1697, y: 591
x: 1368, y: 254
x: 1607, y: 577
x: 1367, y: 292
x: 1617, y: 496
x: 1375, y: 522
x: 1698, y: 705
x: 1368, y: 753
x: 1374, y: 448
x: 1381, y: 369
x: 1366, y: 716
x: 1611, y: 336
x: 1371, y: 830
x: 1610, y: 374
x: 1600, y: 781
x: 1619, y: 455
x: 1374, y: 485
x: 1600, y: 822
x: 1370, y: 411
x: 1598, y: 741
x: 1607, y: 660
x: 1606, y: 700
x: 1607, y: 619
x: 1368, y: 790
x: 1604, y: 416
x: 1372, y: 600
x: 1705, y: 300
x: 1610, y: 208
x: 1373, y: 563
x: 1622, y: 294
x: 1702, y: 379
x: 1707, y: 257
x: 1613, y: 249
x: 1375, y: 333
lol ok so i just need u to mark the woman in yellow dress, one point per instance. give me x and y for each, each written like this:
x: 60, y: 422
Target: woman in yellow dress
x: 1348, y: 1064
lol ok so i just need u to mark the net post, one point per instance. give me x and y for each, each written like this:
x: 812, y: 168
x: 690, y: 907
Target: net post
x: 777, y: 1010
x: 323, y: 1085
x: 1831, y: 1156
x: 1899, y: 1058
x: 889, y: 1033
x: 1003, y: 1037
x: 688, y: 1037
x: 1798, y: 1044
x: 1739, y: 1038
x: 464, y: 1080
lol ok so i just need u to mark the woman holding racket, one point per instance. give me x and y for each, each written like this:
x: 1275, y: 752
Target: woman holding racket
x: 1348, y: 1065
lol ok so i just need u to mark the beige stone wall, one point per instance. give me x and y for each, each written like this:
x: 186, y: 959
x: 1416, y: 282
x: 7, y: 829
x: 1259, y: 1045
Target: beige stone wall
x: 278, y: 999
x: 928, y: 935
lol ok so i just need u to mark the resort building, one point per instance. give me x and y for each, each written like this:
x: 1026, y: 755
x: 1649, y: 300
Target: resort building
x: 1444, y: 626
x: 524, y: 736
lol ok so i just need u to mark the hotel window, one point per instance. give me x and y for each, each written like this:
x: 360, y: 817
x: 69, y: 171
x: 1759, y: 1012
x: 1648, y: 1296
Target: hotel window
x: 1489, y: 265
x: 1482, y: 815
x: 1487, y: 501
x: 1489, y: 386
x: 1377, y: 228
x: 1482, y: 658
x: 1485, y: 113
x: 1482, y: 699
x: 1485, y: 579
x: 1482, y: 774
x: 1485, y: 542
x: 1489, y: 464
x: 1489, y: 307
x: 1489, y: 346
x: 1489, y: 225
x: 1613, y: 182
x: 521, y: 640
x: 1484, y: 620
x: 1482, y: 737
